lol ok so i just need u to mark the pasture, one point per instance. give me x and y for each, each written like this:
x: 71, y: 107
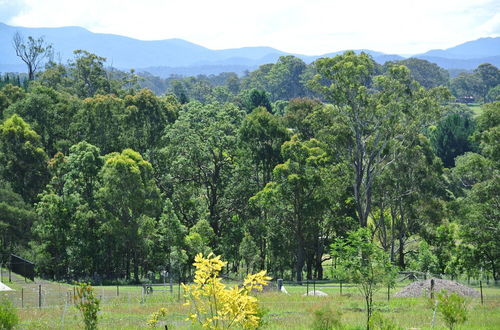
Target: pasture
x: 127, y: 307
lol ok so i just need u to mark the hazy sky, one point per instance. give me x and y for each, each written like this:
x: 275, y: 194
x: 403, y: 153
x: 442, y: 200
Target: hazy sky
x: 308, y: 26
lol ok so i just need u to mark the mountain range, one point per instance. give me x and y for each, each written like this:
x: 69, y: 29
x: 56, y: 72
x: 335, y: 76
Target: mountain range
x: 177, y: 56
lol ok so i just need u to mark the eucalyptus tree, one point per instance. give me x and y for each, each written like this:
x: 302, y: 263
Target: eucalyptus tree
x: 379, y: 115
x: 199, y: 153
x: 130, y: 203
x: 10, y: 94
x: 67, y: 240
x: 488, y: 131
x: 32, y: 52
x: 50, y: 113
x: 23, y: 161
x: 260, y: 135
x: 88, y: 74
x: 285, y: 78
x: 427, y: 74
x: 402, y: 193
x: 100, y: 121
x: 16, y: 218
x: 478, y: 176
x: 295, y: 198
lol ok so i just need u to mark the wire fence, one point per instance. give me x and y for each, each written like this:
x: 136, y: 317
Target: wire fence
x: 50, y: 295
x: 130, y: 306
x: 43, y: 294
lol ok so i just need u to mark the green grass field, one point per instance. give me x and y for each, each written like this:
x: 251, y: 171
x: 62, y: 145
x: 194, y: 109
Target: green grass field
x: 476, y: 108
x: 128, y: 309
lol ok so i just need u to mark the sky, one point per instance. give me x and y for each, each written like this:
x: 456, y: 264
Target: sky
x: 310, y: 27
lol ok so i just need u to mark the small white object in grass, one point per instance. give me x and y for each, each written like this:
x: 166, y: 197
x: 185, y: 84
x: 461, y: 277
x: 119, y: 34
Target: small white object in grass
x: 284, y: 290
x: 316, y: 293
x: 4, y: 287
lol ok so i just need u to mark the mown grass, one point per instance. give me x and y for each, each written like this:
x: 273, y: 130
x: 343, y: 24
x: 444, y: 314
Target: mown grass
x: 293, y: 311
x: 476, y: 108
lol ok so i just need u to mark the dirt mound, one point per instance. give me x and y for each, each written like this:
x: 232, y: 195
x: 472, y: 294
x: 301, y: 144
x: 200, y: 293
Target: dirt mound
x: 421, y: 288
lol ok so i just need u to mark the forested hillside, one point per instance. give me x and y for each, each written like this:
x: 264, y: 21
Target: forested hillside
x: 111, y: 174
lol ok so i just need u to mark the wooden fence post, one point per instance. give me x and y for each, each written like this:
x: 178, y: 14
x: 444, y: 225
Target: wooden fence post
x: 39, y: 296
x: 481, y: 289
x: 432, y: 288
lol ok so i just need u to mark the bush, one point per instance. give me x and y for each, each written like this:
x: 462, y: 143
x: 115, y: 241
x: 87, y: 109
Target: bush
x: 452, y: 307
x: 88, y: 304
x: 215, y: 306
x: 327, y: 318
x: 377, y: 321
x: 8, y: 315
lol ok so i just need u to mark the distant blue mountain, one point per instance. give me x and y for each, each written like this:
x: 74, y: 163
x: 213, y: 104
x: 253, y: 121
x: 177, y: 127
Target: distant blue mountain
x: 467, y: 55
x: 480, y: 48
x: 457, y: 63
x: 177, y: 56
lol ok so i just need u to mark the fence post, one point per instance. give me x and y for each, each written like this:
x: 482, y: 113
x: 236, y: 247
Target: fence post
x: 388, y: 292
x: 179, y: 291
x: 314, y: 287
x: 10, y: 276
x: 117, y: 290
x: 280, y: 284
x: 22, y: 297
x: 481, y: 289
x: 307, y: 287
x: 171, y: 283
x: 432, y: 288
x: 39, y: 296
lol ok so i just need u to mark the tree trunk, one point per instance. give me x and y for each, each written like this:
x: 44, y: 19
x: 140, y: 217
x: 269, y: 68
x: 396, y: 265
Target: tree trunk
x: 309, y: 267
x: 300, y: 262
x: 401, y: 252
x: 393, y: 238
x: 136, y: 268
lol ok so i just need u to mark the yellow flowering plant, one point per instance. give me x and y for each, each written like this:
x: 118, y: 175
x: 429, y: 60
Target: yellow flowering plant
x: 213, y: 305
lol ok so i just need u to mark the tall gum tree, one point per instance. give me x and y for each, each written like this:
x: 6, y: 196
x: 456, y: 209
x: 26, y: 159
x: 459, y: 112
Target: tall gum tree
x: 379, y: 114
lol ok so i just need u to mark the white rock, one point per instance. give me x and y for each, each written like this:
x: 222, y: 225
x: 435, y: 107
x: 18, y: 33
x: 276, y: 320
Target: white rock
x: 316, y: 293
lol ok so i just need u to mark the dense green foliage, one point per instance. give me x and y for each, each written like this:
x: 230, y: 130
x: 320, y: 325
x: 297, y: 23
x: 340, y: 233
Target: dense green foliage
x: 103, y: 180
x: 88, y: 304
x: 8, y: 315
x: 452, y: 308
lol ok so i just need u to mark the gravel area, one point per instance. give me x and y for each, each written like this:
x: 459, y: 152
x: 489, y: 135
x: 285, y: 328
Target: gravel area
x: 420, y: 288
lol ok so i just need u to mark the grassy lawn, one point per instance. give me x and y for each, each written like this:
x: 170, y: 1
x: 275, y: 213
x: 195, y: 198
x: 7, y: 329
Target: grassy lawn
x: 476, y: 108
x: 129, y: 310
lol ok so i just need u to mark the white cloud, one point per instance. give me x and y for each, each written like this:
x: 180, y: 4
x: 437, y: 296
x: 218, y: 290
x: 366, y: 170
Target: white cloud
x: 310, y: 27
x: 491, y: 26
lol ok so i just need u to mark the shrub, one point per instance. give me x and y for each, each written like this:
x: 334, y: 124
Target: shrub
x: 88, y: 304
x: 327, y: 318
x: 8, y: 315
x: 213, y: 305
x: 378, y: 322
x: 452, y: 307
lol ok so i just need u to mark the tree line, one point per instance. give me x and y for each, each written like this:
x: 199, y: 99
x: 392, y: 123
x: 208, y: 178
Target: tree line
x: 102, y: 177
